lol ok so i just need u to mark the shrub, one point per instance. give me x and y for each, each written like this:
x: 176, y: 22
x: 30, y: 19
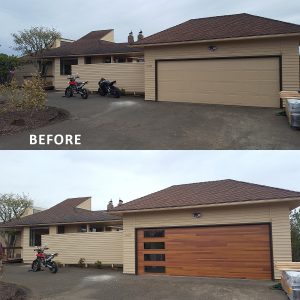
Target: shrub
x: 295, y: 235
x: 81, y: 262
x: 11, y: 95
x: 98, y: 264
x: 34, y: 96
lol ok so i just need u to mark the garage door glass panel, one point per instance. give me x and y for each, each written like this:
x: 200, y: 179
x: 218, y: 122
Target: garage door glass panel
x: 157, y: 269
x: 154, y: 246
x: 154, y: 257
x: 154, y: 233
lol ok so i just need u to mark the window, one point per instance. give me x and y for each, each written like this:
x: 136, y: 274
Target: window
x: 66, y: 65
x: 157, y: 269
x: 88, y: 60
x: 154, y: 233
x: 60, y: 229
x: 96, y: 228
x: 36, y: 236
x: 82, y: 228
x: 154, y: 246
x: 154, y: 257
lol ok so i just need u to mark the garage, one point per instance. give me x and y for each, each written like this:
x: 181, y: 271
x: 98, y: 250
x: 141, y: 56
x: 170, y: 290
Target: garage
x: 249, y: 81
x: 235, y: 251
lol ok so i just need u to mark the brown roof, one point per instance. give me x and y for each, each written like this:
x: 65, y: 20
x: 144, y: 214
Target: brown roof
x: 63, y: 213
x: 222, y: 27
x: 90, y: 44
x: 206, y: 193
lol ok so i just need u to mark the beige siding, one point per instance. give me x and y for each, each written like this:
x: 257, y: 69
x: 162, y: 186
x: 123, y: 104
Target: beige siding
x: 288, y: 48
x: 27, y: 252
x: 129, y: 76
x: 110, y: 37
x: 86, y: 205
x: 277, y: 214
x: 103, y: 246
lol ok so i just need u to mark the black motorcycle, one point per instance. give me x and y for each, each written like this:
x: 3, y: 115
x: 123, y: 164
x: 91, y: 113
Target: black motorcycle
x: 108, y: 88
x: 76, y: 87
x: 44, y: 260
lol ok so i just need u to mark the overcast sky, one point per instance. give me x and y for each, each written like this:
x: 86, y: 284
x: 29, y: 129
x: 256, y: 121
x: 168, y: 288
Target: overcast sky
x: 49, y: 177
x: 76, y: 18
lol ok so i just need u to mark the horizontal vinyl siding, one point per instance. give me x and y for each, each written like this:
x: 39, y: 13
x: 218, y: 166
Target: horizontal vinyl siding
x: 288, y: 48
x: 278, y: 215
x: 129, y: 76
x: 93, y: 246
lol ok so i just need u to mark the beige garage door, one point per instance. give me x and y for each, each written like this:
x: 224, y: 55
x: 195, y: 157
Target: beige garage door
x: 246, y: 81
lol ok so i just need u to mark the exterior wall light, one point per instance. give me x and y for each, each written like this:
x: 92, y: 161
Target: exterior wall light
x: 197, y: 215
x: 212, y: 48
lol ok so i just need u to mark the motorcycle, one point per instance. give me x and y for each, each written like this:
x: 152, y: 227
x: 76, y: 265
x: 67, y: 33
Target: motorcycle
x: 76, y: 87
x: 44, y: 260
x: 107, y: 88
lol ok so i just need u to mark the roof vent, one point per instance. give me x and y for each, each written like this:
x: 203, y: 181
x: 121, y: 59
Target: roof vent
x: 130, y: 38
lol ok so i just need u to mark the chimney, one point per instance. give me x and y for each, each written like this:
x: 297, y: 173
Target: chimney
x: 140, y: 36
x: 110, y: 205
x: 120, y: 202
x: 130, y: 38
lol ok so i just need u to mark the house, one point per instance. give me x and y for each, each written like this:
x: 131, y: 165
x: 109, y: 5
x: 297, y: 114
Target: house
x: 72, y: 229
x: 93, y: 56
x: 231, y: 60
x: 225, y: 228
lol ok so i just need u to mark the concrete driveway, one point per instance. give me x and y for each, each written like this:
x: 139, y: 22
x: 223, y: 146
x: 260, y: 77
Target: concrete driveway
x: 131, y: 123
x: 75, y: 283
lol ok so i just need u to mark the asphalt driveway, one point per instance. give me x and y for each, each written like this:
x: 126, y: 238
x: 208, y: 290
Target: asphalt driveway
x: 75, y: 283
x: 131, y: 123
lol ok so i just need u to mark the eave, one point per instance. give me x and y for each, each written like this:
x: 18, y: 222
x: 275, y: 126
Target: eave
x: 290, y: 35
x: 102, y: 54
x: 293, y: 203
x: 63, y: 223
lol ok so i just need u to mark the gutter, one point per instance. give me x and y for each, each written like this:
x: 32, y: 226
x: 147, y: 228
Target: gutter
x: 58, y: 224
x: 102, y: 54
x: 219, y: 40
x: 272, y: 201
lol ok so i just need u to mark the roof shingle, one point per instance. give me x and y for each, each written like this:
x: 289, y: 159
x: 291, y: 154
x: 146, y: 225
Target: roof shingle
x: 63, y: 213
x: 90, y: 44
x: 222, y: 27
x: 206, y: 193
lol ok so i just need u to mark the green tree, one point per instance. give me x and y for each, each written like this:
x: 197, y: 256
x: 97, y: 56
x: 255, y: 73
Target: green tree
x: 12, y: 206
x: 295, y: 235
x: 34, y: 42
x: 7, y: 65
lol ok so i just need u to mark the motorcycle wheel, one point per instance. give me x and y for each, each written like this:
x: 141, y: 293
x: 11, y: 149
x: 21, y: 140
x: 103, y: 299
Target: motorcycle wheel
x: 101, y: 93
x: 54, y: 268
x: 84, y: 94
x: 36, y: 266
x: 68, y: 93
x: 116, y: 93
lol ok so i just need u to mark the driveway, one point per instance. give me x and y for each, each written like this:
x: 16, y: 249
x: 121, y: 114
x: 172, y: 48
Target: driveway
x: 131, y: 123
x: 75, y: 283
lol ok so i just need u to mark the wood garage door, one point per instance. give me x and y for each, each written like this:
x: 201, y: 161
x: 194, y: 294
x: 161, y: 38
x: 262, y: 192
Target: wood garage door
x: 242, y: 81
x: 241, y: 251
